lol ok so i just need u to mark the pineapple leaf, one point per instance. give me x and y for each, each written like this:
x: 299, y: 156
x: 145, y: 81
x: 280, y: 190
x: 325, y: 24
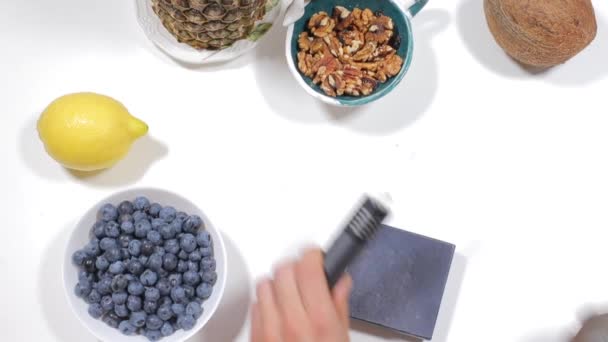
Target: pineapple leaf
x: 270, y: 4
x: 259, y: 31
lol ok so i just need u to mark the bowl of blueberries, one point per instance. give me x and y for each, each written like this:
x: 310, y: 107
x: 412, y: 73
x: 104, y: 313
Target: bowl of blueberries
x: 144, y: 264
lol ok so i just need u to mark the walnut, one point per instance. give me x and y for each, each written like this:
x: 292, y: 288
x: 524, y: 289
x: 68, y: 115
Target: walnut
x: 333, y: 85
x: 321, y: 24
x: 305, y: 63
x: 343, y: 18
x: 383, y: 52
x: 366, y: 53
x: 389, y: 68
x: 304, y: 41
x: 335, y: 48
x: 362, y: 18
x: 380, y: 30
x: 324, y: 67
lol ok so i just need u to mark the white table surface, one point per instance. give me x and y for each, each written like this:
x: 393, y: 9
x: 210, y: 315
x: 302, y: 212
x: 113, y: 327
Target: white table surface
x: 510, y: 167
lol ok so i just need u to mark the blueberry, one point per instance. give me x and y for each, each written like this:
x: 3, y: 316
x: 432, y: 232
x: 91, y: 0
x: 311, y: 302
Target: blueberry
x: 167, y: 214
x: 135, y: 288
x: 84, y: 275
x: 138, y: 216
x: 111, y: 319
x: 141, y: 203
x: 119, y: 283
x: 150, y: 306
x: 204, y: 291
x: 153, y: 335
x: 203, y: 238
x: 195, y: 256
x: 190, y: 291
x: 121, y: 311
x: 166, y: 329
x: 148, y: 278
x: 192, y: 224
x: 93, y: 297
x: 107, y: 243
x: 126, y: 328
x: 120, y: 297
x: 125, y: 207
x: 176, y: 226
x: 169, y: 262
x: 165, y: 300
x: 92, y: 248
x: 154, y: 322
x: 191, y: 278
x: 142, y: 228
x: 192, y: 266
x: 172, y: 246
x: 178, y: 309
x: 113, y: 255
x: 167, y: 231
x: 182, y: 266
x: 188, y: 243
x: 209, y: 277
x: 82, y: 289
x: 106, y: 303
x: 112, y: 229
x: 95, y: 310
x: 127, y: 227
x: 134, y: 303
x: 152, y: 293
x: 124, y: 241
x: 135, y: 267
x: 175, y: 279
x: 164, y: 312
x: 143, y: 259
x: 138, y: 319
x: 117, y: 267
x: 157, y: 223
x: 89, y: 265
x: 208, y: 264
x: 79, y: 257
x: 147, y: 247
x: 186, y: 322
x: 178, y: 294
x: 108, y: 212
x: 155, y: 262
x: 206, y: 251
x: 134, y: 247
x: 98, y: 229
x: 160, y: 250
x: 125, y: 218
x: 155, y: 209
x: 183, y: 255
x: 195, y: 309
x: 154, y: 237
x: 104, y: 286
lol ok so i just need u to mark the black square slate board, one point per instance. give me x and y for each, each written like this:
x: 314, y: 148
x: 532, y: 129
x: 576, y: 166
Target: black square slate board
x: 399, y: 280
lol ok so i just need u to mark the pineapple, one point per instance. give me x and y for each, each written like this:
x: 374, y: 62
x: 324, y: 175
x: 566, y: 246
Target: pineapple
x: 209, y: 24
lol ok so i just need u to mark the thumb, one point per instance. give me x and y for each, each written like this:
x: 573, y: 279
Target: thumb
x: 341, y: 296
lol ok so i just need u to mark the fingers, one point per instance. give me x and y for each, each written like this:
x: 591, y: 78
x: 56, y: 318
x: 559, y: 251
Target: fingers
x: 341, y: 296
x: 294, y: 320
x: 269, y: 313
x: 315, y: 292
x: 256, y: 324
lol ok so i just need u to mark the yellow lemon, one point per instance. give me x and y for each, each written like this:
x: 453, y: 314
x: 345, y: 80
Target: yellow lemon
x: 87, y: 131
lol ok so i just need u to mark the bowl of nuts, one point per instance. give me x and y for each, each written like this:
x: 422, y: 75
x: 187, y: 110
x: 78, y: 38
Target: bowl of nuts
x: 351, y: 54
x: 144, y: 264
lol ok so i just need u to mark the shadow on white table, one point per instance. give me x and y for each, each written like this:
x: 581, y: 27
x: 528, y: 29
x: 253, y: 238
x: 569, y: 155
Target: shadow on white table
x: 587, y: 67
x: 144, y: 152
x: 399, y: 109
x: 446, y: 311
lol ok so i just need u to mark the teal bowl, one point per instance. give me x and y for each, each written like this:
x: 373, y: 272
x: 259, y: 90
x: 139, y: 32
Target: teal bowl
x: 400, y: 11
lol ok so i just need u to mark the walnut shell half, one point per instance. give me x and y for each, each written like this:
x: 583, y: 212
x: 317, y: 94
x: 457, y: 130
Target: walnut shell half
x: 541, y: 33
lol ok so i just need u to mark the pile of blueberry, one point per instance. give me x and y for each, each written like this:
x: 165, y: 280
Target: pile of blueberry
x: 147, y: 269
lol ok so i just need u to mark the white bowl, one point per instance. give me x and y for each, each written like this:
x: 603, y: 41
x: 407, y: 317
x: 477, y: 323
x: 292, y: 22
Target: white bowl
x: 80, y: 237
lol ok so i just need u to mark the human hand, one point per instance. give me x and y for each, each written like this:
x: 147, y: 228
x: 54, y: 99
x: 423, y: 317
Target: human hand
x: 298, y: 306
